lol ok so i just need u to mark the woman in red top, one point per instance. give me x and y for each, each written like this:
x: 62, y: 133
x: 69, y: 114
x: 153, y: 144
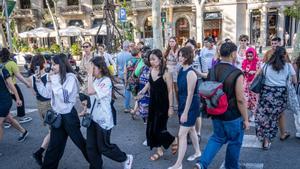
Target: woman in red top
x: 249, y: 66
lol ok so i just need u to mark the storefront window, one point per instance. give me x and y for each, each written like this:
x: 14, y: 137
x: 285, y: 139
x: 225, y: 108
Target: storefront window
x: 182, y: 30
x: 148, y: 31
x: 255, y: 27
x: 25, y: 4
x: 271, y: 25
x: 213, y: 25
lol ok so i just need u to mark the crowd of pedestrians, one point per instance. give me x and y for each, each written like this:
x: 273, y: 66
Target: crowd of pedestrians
x: 160, y: 84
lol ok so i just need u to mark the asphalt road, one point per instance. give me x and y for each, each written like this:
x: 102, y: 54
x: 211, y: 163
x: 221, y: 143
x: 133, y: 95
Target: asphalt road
x: 129, y: 136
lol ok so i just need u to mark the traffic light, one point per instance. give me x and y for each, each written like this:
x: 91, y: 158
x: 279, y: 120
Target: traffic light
x: 163, y: 17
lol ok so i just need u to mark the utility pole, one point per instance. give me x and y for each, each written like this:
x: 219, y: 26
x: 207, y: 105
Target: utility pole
x: 7, y: 25
x: 156, y: 24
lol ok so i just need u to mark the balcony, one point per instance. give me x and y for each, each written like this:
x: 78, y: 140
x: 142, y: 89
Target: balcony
x: 147, y: 4
x: 71, y: 10
x: 25, y: 13
x: 98, y: 9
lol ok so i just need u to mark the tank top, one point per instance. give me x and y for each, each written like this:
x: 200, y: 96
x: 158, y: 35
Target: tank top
x: 39, y: 97
x: 183, y: 91
x: 232, y: 112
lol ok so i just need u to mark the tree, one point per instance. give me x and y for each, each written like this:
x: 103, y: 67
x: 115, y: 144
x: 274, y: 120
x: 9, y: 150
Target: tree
x: 199, y: 16
x: 294, y: 11
x: 156, y: 24
x: 55, y: 21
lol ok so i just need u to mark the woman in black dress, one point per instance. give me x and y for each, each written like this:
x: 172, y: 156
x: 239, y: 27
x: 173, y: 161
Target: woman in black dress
x: 160, y: 106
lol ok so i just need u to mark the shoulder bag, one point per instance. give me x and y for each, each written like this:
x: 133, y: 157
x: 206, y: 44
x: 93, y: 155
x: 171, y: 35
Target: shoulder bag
x: 87, y: 118
x: 257, y: 84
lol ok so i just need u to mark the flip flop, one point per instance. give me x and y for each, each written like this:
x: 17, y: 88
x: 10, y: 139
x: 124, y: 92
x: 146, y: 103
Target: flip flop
x: 156, y: 156
x: 286, y: 136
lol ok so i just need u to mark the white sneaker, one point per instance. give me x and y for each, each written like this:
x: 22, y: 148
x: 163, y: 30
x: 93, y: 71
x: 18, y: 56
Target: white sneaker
x: 145, y: 143
x: 128, y: 162
x: 6, y: 125
x: 194, y: 157
x: 298, y: 135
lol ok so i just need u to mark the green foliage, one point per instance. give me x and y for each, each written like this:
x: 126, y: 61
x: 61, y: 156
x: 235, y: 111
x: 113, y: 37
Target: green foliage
x: 55, y: 48
x: 41, y: 49
x: 75, y: 49
x: 25, y: 48
x: 293, y: 11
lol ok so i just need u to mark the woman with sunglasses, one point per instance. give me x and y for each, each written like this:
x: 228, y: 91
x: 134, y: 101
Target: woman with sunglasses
x: 241, y: 51
x: 83, y: 67
x: 250, y: 66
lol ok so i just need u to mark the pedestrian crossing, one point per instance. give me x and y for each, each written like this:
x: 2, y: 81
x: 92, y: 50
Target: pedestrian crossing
x: 14, y: 112
x: 247, y: 166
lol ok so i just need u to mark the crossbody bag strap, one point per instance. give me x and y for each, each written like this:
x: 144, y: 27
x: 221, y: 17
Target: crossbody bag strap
x: 93, y: 106
x: 200, y: 62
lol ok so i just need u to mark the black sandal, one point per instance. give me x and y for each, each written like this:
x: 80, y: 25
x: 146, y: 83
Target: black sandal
x: 286, y: 136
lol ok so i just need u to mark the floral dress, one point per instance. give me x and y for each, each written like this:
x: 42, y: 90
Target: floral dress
x: 143, y: 103
x: 250, y: 96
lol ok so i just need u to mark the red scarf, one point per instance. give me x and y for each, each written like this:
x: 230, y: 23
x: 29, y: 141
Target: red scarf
x: 250, y: 65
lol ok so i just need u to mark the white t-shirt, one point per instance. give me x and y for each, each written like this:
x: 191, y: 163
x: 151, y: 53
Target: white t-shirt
x: 102, y: 113
x: 209, y: 55
x: 279, y: 79
x: 201, y: 67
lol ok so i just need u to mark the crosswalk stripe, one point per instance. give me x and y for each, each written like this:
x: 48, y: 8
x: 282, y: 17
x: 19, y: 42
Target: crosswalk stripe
x: 14, y: 112
x: 251, y: 141
x: 247, y: 165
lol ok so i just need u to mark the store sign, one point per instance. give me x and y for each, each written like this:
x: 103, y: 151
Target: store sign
x: 122, y: 15
x: 212, y: 15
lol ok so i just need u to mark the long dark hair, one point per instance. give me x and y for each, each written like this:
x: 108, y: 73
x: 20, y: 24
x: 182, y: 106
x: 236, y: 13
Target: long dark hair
x: 5, y: 55
x: 100, y: 63
x: 162, y: 65
x: 64, y: 67
x: 278, y: 59
x: 37, y: 60
x: 169, y: 47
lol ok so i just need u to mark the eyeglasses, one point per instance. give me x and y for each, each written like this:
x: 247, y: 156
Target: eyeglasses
x: 85, y: 46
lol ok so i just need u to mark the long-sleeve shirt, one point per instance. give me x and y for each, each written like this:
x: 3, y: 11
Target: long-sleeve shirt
x: 63, y: 96
x: 102, y: 113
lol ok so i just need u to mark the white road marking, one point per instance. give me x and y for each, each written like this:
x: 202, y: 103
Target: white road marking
x: 247, y: 165
x: 251, y: 141
x: 14, y: 112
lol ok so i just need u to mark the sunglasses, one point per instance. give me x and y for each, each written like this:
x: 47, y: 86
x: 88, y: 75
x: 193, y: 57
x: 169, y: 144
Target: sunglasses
x: 85, y: 46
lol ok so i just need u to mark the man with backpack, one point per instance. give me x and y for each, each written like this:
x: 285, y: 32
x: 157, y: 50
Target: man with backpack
x: 227, y: 106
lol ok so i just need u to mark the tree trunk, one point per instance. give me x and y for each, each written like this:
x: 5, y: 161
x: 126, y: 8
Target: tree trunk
x: 156, y: 24
x: 296, y: 47
x: 199, y: 19
x: 57, y: 37
x: 2, y: 34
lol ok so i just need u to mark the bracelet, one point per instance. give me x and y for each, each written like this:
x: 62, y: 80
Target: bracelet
x: 171, y: 106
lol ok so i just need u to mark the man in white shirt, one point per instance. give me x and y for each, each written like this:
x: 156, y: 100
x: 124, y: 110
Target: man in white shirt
x: 209, y: 51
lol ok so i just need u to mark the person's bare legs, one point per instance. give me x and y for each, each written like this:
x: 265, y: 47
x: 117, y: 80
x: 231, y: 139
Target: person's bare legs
x: 282, y: 129
x: 1, y: 127
x: 198, y: 126
x: 15, y: 123
x: 195, y: 141
x: 46, y: 141
x: 182, y: 136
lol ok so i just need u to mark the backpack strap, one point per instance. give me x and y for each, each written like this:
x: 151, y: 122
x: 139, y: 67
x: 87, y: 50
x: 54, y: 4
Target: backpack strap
x: 200, y: 62
x: 227, y: 73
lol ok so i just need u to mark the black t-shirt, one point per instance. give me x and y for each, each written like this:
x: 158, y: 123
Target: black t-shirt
x: 229, y: 85
x: 3, y: 89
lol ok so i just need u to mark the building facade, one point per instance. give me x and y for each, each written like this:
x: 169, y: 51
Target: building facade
x: 221, y: 19
x: 31, y: 14
x: 181, y: 18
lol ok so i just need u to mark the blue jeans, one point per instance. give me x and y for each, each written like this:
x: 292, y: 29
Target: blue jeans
x: 127, y: 100
x: 231, y: 132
